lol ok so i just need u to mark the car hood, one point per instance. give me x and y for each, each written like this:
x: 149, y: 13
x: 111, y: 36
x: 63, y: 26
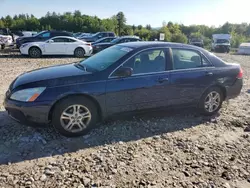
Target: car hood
x: 25, y: 38
x: 49, y: 73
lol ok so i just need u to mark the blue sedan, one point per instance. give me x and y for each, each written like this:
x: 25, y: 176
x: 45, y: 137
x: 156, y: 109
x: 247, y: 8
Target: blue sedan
x: 123, y: 78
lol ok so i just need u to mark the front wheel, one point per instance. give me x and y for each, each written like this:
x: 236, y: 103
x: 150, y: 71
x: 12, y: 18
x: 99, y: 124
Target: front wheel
x: 74, y: 116
x: 2, y: 46
x: 35, y: 52
x: 211, y: 101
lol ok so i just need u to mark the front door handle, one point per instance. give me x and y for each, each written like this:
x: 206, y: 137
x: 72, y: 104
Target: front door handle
x: 161, y: 80
x: 209, y: 74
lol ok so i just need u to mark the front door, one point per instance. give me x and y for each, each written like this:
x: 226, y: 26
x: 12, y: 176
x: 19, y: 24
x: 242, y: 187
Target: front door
x: 57, y: 47
x: 148, y: 87
x: 192, y: 74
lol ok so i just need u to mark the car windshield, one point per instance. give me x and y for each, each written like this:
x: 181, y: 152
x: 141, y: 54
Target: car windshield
x: 222, y: 41
x: 196, y: 40
x: 94, y: 35
x: 116, y: 40
x: 102, y: 39
x: 105, y: 58
x: 38, y: 33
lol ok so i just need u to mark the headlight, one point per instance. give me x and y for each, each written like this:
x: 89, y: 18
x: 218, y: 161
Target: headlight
x: 27, y: 95
x: 26, y: 44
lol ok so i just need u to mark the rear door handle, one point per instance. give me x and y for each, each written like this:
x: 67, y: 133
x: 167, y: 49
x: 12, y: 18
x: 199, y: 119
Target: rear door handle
x: 161, y: 80
x: 209, y: 74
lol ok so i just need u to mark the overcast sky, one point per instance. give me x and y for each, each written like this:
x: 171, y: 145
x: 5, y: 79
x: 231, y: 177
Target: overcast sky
x: 154, y: 12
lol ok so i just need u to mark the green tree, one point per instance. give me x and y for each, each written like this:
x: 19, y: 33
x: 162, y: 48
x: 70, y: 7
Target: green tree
x: 1, y: 24
x: 143, y: 33
x: 8, y: 21
x: 179, y: 37
x: 139, y: 27
x: 148, y: 27
x: 121, y: 21
x: 167, y: 33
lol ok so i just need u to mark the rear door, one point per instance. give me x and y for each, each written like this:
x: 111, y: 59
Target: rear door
x: 191, y: 75
x: 148, y: 87
x: 70, y: 46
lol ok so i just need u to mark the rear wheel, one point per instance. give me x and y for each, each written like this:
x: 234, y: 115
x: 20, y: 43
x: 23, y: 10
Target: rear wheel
x: 211, y: 101
x: 74, y: 116
x: 79, y: 52
x: 35, y: 52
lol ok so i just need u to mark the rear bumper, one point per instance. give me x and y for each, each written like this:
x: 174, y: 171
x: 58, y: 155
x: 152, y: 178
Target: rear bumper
x: 27, y: 113
x: 234, y: 90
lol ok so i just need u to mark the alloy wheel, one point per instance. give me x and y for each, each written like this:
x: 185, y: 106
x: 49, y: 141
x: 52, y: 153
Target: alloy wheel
x: 34, y: 52
x: 212, y: 101
x: 75, y: 118
x: 79, y: 53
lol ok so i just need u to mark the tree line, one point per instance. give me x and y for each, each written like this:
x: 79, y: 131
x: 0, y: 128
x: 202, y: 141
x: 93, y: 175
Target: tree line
x: 78, y: 22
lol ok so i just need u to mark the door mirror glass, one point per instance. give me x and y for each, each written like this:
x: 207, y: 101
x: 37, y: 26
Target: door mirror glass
x: 124, y: 72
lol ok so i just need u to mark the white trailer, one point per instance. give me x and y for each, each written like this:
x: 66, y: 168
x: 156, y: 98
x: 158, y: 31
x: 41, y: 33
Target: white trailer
x: 244, y: 49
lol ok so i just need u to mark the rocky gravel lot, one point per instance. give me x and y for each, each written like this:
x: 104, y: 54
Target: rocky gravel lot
x: 160, y: 149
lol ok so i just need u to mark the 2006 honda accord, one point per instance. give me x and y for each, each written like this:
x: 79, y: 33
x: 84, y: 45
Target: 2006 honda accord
x: 126, y: 77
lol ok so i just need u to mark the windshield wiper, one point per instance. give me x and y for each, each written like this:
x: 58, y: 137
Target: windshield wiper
x: 81, y: 66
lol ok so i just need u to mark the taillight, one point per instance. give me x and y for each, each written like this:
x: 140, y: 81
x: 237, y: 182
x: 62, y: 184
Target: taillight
x: 240, y: 74
x: 89, y: 44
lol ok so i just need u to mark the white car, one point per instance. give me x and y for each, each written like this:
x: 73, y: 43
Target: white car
x: 60, y: 45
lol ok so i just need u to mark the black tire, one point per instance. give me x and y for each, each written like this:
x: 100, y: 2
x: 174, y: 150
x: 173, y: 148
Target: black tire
x: 79, y: 52
x: 35, y: 52
x: 203, y: 108
x: 66, y: 104
x: 2, y: 46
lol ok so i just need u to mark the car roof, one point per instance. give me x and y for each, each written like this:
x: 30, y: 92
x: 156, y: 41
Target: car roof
x: 64, y: 37
x: 144, y: 44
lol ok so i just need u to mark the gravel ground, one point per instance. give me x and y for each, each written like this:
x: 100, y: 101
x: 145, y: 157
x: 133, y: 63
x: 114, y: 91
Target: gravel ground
x: 160, y: 149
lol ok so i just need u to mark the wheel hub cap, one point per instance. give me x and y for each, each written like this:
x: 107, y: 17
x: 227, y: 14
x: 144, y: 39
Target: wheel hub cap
x: 212, y: 101
x: 75, y: 118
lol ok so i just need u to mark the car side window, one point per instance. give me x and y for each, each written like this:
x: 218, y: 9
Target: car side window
x: 186, y: 59
x: 135, y: 39
x: 149, y: 61
x: 45, y: 35
x: 111, y: 35
x: 106, y: 40
x: 205, y: 62
x: 101, y: 35
x: 59, y: 40
x: 122, y: 41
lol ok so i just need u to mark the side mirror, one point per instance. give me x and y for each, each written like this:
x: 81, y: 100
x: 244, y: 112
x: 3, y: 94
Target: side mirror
x: 50, y: 41
x: 123, y: 72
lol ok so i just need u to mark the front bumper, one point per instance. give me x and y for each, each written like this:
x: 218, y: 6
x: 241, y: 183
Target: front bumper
x: 23, y: 51
x: 222, y: 48
x: 234, y: 90
x: 28, y: 113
